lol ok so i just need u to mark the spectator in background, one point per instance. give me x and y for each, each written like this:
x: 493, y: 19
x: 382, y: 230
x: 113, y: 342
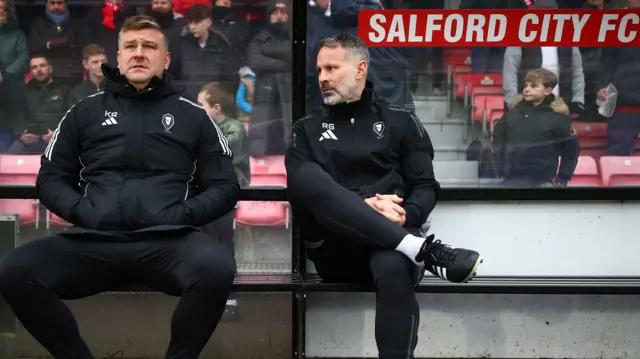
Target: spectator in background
x: 57, y: 36
x: 269, y: 55
x: 93, y: 56
x: 389, y: 68
x: 218, y: 102
x: 46, y: 104
x: 102, y: 24
x: 486, y: 59
x: 565, y: 62
x: 621, y: 67
x: 592, y: 62
x: 174, y: 26
x: 246, y: 93
x: 14, y: 62
x: 236, y: 29
x: 532, y: 135
x: 206, y: 54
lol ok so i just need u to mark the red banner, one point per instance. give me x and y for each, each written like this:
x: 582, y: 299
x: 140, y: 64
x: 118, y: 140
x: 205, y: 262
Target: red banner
x: 467, y: 28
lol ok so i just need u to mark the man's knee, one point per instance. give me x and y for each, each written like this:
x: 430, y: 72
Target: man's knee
x: 211, y: 265
x: 392, y: 271
x: 305, y: 182
x: 16, y: 269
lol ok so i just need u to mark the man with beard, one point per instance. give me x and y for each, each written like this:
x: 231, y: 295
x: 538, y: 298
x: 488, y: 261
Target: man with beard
x: 361, y: 185
x: 46, y: 103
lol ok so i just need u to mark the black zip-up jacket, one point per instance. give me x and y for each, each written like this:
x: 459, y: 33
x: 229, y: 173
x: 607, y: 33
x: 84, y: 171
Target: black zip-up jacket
x: 123, y: 161
x: 369, y: 147
x: 528, y: 141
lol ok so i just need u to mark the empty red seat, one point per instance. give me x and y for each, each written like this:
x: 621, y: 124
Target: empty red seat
x: 20, y: 170
x: 620, y: 171
x: 484, y: 104
x: 591, y: 134
x: 479, y: 82
x: 262, y: 214
x: 586, y: 173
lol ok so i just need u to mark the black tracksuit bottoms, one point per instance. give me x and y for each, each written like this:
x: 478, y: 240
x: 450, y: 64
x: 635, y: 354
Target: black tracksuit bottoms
x: 37, y: 276
x: 358, y: 246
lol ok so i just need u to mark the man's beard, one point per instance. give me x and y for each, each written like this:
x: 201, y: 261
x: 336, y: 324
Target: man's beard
x: 342, y: 92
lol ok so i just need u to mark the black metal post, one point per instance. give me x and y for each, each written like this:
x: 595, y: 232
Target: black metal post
x: 298, y: 259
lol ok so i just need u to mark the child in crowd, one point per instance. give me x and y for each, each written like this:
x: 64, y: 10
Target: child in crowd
x: 533, y: 133
x: 218, y: 102
x: 244, y: 96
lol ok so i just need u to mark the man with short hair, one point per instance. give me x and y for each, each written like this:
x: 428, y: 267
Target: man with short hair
x: 136, y: 169
x: 361, y: 186
x: 93, y: 56
x: 46, y: 103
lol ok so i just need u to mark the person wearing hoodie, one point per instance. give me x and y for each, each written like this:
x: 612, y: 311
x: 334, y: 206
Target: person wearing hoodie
x: 57, y: 35
x: 390, y: 67
x: 93, y: 56
x: 14, y: 62
x: 533, y: 133
x: 245, y: 93
x: 269, y: 55
x: 136, y: 169
x: 621, y: 67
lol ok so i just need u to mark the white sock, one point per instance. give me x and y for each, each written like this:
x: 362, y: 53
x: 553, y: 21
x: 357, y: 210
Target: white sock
x: 410, y: 246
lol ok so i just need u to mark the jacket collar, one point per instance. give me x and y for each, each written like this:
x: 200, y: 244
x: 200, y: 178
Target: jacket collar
x: 116, y: 82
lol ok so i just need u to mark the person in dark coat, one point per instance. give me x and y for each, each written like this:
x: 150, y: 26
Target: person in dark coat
x: 269, y: 56
x: 93, y: 56
x: 14, y: 62
x: 57, y: 35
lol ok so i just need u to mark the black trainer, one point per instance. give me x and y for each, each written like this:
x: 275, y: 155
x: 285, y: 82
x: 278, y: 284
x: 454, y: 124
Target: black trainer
x: 456, y: 265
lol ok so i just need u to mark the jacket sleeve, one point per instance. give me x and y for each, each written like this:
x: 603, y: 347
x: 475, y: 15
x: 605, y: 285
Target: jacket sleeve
x: 577, y: 77
x: 21, y: 64
x: 59, y: 175
x: 36, y: 39
x: 258, y: 62
x: 298, y: 152
x: 569, y: 151
x: 511, y: 65
x: 216, y: 180
x: 417, y: 167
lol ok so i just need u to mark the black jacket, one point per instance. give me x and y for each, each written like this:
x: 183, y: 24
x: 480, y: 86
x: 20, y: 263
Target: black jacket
x: 370, y: 147
x: 45, y: 105
x: 115, y: 165
x: 528, y: 141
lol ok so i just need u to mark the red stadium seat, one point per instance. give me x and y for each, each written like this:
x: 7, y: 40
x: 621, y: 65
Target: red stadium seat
x: 472, y: 81
x: 591, y: 134
x: 483, y: 90
x: 266, y: 172
x: 586, y: 173
x: 620, y: 171
x: 20, y: 170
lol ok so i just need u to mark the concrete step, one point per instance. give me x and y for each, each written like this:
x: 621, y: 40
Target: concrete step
x: 446, y: 132
x: 456, y: 169
x: 450, y: 153
x: 431, y: 108
x: 469, y: 183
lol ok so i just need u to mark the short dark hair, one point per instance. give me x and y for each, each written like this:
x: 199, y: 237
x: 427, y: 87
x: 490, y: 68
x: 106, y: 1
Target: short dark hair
x: 354, y: 46
x: 92, y: 50
x: 217, y: 94
x: 197, y: 13
x: 547, y: 78
x: 38, y: 55
x: 142, y: 22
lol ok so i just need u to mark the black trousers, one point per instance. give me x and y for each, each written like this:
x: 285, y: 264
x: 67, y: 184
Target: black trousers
x: 37, y: 276
x: 222, y: 230
x: 358, y: 245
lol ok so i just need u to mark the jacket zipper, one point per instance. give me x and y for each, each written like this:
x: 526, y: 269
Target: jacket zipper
x: 355, y: 152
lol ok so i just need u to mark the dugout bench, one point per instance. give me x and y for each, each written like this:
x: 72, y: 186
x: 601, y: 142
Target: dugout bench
x: 300, y: 283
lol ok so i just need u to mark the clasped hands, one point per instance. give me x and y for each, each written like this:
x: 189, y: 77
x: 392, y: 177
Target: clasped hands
x: 389, y: 206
